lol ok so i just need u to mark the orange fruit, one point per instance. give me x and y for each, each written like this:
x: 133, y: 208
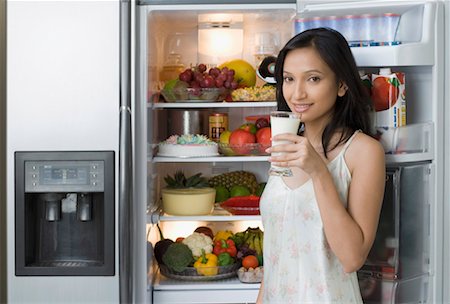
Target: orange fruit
x: 250, y: 261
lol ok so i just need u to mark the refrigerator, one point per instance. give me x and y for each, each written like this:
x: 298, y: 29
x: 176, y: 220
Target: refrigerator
x: 70, y: 229
x: 86, y: 76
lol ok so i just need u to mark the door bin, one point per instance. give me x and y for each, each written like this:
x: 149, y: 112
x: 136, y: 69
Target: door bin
x: 397, y: 268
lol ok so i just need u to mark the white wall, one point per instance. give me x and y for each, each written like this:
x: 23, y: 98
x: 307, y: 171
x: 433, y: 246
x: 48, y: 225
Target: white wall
x: 2, y: 152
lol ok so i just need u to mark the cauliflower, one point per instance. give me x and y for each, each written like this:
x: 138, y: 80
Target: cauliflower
x: 198, y: 241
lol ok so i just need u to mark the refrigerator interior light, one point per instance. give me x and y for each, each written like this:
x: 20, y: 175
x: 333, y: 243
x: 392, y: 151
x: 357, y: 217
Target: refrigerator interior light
x: 220, y: 37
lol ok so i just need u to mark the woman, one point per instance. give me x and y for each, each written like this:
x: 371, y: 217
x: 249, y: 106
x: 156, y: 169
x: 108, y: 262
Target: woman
x: 319, y: 224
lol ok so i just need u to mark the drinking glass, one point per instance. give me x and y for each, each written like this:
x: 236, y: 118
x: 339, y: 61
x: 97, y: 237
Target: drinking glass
x: 282, y: 122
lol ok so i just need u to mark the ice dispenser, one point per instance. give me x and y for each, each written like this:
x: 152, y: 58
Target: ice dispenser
x: 64, y: 223
x: 397, y: 268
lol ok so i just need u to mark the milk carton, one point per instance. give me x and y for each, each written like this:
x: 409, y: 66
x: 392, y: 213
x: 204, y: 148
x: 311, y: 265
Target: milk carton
x: 388, y: 97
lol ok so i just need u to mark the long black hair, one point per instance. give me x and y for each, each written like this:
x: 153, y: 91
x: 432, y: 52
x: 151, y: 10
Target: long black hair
x: 351, y: 111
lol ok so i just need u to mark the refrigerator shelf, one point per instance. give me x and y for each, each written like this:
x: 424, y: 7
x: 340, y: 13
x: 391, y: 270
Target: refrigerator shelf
x: 163, y: 283
x: 173, y: 291
x: 415, y: 31
x: 408, y: 158
x: 216, y: 216
x: 408, y: 54
x: 390, y: 158
x: 223, y: 159
x: 249, y: 104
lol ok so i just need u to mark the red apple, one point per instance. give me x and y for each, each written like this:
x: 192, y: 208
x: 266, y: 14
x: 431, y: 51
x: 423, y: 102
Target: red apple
x: 240, y: 140
x: 263, y: 137
x: 262, y: 122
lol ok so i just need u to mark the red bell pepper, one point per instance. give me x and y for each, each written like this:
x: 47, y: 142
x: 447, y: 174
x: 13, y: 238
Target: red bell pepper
x: 221, y: 246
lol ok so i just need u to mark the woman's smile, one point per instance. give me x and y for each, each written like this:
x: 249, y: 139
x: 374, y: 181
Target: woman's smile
x: 301, y: 108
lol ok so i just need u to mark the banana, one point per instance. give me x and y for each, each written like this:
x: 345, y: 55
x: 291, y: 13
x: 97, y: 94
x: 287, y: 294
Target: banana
x: 246, y: 235
x: 257, y: 244
x: 261, y: 239
x: 251, y: 241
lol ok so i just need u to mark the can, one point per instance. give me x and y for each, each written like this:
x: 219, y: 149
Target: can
x: 218, y: 122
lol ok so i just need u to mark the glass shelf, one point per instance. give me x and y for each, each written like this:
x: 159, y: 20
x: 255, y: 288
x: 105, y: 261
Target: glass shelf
x: 161, y: 159
x: 248, y: 104
x: 216, y: 216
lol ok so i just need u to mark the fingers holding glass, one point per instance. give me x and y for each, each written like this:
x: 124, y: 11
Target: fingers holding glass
x: 282, y: 122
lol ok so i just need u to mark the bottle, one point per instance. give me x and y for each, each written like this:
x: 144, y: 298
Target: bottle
x: 388, y: 97
x: 172, y: 68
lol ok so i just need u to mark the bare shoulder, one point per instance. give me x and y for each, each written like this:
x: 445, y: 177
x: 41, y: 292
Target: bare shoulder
x: 364, y: 151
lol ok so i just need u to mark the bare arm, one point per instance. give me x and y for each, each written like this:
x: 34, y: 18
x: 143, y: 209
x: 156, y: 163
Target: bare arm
x: 259, y: 300
x: 350, y: 232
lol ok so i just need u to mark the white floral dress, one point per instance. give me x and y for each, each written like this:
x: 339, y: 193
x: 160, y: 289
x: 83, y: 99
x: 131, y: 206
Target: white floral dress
x: 299, y: 266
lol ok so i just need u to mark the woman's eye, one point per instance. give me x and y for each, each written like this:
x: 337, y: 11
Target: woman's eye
x: 287, y: 79
x: 314, y: 78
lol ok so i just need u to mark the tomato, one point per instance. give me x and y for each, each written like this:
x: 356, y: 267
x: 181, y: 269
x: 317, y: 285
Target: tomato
x: 250, y: 261
x: 384, y: 92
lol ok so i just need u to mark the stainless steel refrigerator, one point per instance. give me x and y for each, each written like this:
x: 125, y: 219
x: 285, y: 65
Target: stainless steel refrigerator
x: 69, y: 168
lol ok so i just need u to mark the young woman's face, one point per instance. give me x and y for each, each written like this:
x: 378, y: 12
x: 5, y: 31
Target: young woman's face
x: 309, y: 85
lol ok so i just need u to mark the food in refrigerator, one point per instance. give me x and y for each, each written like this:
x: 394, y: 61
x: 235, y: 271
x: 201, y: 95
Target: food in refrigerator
x: 230, y: 179
x: 218, y: 124
x: 188, y: 201
x: 187, y: 145
x: 388, y: 97
x: 187, y: 195
x: 251, y: 275
x: 262, y: 93
x: 198, y: 257
x: 242, y: 205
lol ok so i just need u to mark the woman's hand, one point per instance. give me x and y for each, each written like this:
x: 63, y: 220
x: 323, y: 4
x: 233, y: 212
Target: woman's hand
x: 298, y: 153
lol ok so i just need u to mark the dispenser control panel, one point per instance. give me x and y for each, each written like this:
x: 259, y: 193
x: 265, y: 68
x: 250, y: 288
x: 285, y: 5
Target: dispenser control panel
x: 51, y: 176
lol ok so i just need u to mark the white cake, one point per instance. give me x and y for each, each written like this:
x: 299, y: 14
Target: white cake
x: 189, y: 145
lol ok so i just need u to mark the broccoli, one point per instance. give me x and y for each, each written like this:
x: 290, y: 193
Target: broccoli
x: 177, y: 257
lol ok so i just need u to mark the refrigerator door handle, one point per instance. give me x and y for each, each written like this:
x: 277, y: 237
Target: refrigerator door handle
x: 125, y: 159
x: 125, y: 208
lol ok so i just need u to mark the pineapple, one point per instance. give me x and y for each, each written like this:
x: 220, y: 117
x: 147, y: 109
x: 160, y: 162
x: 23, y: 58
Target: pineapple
x: 230, y: 179
x: 179, y: 181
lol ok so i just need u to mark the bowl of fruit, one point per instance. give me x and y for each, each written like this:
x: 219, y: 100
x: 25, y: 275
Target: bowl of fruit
x: 250, y: 139
x: 197, y: 84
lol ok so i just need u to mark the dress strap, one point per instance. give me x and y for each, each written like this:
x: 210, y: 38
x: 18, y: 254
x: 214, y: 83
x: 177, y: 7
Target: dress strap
x: 349, y: 141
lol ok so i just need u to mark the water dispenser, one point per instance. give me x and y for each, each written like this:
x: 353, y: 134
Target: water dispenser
x: 64, y: 213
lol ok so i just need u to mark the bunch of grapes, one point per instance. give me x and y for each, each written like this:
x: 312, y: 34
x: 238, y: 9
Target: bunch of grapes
x: 197, y: 77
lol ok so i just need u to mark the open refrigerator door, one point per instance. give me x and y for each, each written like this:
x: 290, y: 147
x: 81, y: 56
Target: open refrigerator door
x: 403, y: 39
x: 169, y: 42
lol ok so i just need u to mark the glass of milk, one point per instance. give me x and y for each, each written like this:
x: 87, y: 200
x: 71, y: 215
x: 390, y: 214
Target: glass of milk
x: 282, y: 122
